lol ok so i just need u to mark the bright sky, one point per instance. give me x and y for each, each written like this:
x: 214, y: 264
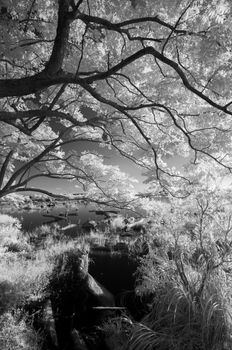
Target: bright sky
x: 111, y: 157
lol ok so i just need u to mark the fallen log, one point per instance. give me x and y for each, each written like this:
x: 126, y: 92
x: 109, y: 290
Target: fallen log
x: 63, y: 229
x: 108, y: 308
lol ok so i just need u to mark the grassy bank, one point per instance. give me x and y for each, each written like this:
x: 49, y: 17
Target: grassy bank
x: 183, y: 282
x: 26, y: 265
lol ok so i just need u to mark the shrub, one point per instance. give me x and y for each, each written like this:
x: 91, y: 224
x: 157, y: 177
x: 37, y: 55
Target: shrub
x: 10, y: 229
x: 9, y: 296
x: 45, y: 236
x: 27, y: 279
x: 191, y: 306
x: 23, y: 277
x: 17, y: 246
x: 16, y: 334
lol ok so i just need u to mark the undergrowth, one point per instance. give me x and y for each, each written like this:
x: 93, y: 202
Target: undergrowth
x: 191, y: 307
x: 27, y: 263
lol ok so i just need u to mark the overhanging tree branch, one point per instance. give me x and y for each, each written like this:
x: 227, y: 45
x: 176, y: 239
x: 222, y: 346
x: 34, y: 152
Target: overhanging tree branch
x: 5, y: 166
x: 126, y: 71
x: 29, y: 164
x: 24, y: 86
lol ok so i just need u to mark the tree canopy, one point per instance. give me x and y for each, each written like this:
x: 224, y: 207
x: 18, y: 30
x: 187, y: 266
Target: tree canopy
x: 157, y: 76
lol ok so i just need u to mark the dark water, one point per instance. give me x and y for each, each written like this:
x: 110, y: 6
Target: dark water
x: 114, y: 271
x: 31, y: 219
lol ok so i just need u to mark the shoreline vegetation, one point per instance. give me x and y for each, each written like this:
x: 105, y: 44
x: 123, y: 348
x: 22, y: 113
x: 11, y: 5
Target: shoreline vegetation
x: 49, y: 300
x: 30, y: 202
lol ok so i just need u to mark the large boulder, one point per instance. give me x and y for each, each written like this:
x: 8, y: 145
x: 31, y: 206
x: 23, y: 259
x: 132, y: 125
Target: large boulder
x: 74, y: 294
x: 102, y: 296
x: 117, y: 223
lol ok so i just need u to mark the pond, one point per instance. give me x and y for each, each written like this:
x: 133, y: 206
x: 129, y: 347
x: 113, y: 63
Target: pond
x: 114, y: 270
x: 31, y: 219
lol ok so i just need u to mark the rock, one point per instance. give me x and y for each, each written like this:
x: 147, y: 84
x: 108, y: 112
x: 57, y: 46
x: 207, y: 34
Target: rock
x: 102, y: 296
x: 117, y: 223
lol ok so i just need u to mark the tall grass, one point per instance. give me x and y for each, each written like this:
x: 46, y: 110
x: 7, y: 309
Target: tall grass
x: 26, y: 265
x: 16, y: 334
x: 191, y: 308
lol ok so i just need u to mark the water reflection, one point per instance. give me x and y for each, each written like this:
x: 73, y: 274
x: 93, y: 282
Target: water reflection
x: 30, y: 219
